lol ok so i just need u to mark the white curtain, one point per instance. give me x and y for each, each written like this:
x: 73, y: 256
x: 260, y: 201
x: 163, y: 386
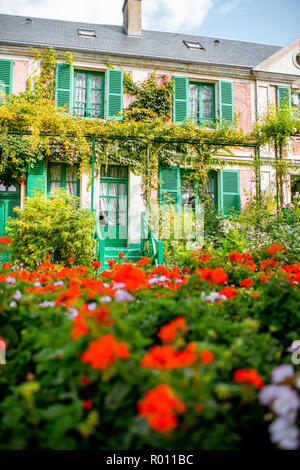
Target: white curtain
x: 55, y: 178
x: 71, y: 180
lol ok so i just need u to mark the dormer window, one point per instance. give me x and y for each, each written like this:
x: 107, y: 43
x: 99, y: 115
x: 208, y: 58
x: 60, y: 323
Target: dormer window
x: 89, y: 33
x: 194, y: 45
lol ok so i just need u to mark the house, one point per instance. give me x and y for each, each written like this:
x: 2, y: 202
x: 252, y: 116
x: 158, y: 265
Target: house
x: 213, y: 77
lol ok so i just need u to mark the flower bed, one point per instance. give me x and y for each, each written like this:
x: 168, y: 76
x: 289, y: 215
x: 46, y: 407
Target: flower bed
x: 137, y: 357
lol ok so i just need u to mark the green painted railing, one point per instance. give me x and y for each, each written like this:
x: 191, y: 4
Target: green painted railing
x: 156, y: 246
x: 99, y: 242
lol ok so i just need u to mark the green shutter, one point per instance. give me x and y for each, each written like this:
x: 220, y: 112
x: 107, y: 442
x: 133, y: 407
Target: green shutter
x: 180, y: 99
x: 114, y: 94
x: 6, y: 72
x: 169, y: 186
x: 283, y: 96
x: 226, y: 104
x: 230, y: 191
x: 36, y: 178
x: 64, y: 85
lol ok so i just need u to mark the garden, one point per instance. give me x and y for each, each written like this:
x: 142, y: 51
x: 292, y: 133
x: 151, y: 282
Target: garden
x: 200, y: 355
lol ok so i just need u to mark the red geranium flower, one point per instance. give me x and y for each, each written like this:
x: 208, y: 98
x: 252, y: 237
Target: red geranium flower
x: 5, y: 240
x: 132, y: 276
x: 104, y: 351
x: 229, y: 292
x: 235, y: 256
x: 96, y: 264
x: 87, y: 404
x: 6, y: 265
x: 168, y: 332
x: 143, y: 261
x: 250, y: 376
x: 207, y: 356
x: 275, y: 247
x: 158, y: 406
x: 246, y: 283
x: 166, y: 357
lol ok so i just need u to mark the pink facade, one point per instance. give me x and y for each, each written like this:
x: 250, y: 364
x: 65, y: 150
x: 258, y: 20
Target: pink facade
x: 246, y: 185
x: 20, y: 75
x: 242, y: 105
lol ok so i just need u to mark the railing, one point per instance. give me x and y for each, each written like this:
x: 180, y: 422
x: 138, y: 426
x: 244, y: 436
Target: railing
x: 99, y: 242
x: 156, y: 247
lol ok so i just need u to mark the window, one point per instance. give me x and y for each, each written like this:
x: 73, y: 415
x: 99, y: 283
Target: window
x: 89, y: 94
x: 202, y: 103
x: 194, y: 45
x: 90, y: 33
x: 61, y: 175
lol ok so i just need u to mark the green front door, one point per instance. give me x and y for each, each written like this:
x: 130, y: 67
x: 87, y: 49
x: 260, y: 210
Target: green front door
x: 113, y: 215
x: 9, y: 198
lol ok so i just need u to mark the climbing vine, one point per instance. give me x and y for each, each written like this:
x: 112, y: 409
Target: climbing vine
x: 33, y: 128
x: 275, y: 127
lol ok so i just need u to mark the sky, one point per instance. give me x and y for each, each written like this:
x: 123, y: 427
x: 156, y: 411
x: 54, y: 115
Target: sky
x: 267, y: 21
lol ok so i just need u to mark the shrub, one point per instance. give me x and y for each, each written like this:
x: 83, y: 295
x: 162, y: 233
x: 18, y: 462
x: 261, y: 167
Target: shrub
x: 53, y: 226
x: 144, y: 358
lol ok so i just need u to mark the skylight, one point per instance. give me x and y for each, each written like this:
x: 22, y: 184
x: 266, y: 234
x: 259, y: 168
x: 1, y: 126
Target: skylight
x: 90, y: 33
x: 194, y: 45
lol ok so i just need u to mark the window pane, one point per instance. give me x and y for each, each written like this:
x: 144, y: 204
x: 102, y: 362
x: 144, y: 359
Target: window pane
x: 112, y: 218
x: 80, y: 109
x: 81, y: 80
x: 194, y: 100
x: 103, y: 189
x: 122, y: 218
x: 207, y: 102
x: 113, y: 189
x: 96, y: 81
x: 122, y: 203
x: 2, y: 187
x: 103, y: 203
x: 55, y: 173
x: 71, y: 173
x: 122, y: 189
x: 71, y: 188
x: 12, y: 189
x: 103, y: 218
x: 122, y: 172
x: 96, y: 96
x: 112, y: 205
x: 113, y: 171
x: 95, y: 112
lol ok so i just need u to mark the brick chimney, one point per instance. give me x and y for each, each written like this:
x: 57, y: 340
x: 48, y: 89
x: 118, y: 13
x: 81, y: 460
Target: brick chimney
x: 132, y: 17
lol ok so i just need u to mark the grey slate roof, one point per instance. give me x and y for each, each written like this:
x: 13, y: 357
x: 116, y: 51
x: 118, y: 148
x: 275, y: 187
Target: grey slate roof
x: 112, y: 39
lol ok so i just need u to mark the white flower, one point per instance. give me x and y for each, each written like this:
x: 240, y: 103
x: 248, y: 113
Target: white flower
x: 284, y: 432
x: 286, y: 401
x: 37, y: 284
x: 59, y: 283
x: 72, y: 312
x: 269, y: 393
x: 10, y: 280
x: 13, y: 303
x: 105, y: 298
x: 17, y: 295
x: 118, y: 285
x: 295, y: 346
x: 282, y: 372
x: 212, y: 297
x: 92, y: 305
x: 47, y: 303
x: 123, y: 295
